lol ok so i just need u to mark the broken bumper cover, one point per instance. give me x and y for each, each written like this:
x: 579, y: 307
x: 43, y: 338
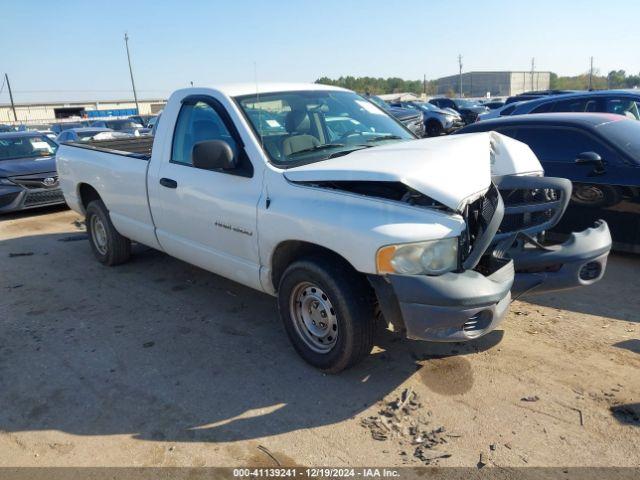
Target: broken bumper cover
x: 579, y: 261
x: 454, y: 306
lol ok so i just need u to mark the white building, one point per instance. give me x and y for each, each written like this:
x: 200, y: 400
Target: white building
x: 56, y: 111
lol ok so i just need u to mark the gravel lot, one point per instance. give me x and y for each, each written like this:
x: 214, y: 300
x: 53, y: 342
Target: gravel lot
x: 160, y: 363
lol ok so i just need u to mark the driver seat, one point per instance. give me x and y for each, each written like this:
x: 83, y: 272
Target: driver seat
x: 298, y: 125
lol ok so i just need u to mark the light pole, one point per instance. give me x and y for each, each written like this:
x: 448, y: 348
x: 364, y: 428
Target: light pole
x: 133, y: 84
x: 460, y: 76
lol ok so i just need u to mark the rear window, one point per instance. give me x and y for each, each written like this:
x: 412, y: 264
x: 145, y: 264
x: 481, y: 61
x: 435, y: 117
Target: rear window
x: 625, y: 135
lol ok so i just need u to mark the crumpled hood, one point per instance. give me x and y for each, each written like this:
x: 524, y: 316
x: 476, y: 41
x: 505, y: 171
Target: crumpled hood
x: 452, y: 170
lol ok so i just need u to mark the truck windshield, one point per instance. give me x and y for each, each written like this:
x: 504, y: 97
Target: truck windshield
x: 13, y: 147
x: 303, y: 127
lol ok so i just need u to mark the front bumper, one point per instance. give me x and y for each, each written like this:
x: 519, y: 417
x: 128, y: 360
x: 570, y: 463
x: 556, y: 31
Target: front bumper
x: 17, y: 198
x: 448, y: 308
x: 579, y: 261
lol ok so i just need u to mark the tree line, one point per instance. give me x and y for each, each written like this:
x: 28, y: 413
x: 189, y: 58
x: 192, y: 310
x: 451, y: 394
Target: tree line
x: 377, y: 86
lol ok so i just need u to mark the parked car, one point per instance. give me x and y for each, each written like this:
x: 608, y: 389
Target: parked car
x: 6, y: 128
x: 122, y: 125
x: 506, y: 109
x: 436, y: 120
x: 86, y: 134
x: 332, y: 228
x: 526, y: 96
x: 153, y: 121
x: 621, y: 102
x: 56, y: 128
x: 599, y: 153
x: 468, y: 109
x: 493, y: 104
x: 409, y: 117
x: 142, y: 120
x: 28, y: 175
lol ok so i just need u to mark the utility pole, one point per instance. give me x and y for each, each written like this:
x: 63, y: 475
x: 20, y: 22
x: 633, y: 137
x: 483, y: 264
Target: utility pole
x: 533, y: 68
x: 135, y: 95
x: 13, y: 106
x: 460, y: 76
x: 591, y: 74
x: 424, y: 84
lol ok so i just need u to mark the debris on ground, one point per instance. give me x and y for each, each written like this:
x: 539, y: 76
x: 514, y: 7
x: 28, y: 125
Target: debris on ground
x: 398, y: 419
x: 481, y: 462
x: 20, y: 254
x: 532, y: 398
x: 148, y: 344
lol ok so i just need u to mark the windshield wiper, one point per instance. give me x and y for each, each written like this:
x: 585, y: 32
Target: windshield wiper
x: 318, y: 147
x: 342, y: 153
x: 384, y: 137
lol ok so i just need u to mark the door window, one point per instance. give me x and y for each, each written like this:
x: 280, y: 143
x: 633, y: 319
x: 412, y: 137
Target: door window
x: 196, y: 123
x: 575, y: 105
x: 560, y: 144
x: 623, y: 106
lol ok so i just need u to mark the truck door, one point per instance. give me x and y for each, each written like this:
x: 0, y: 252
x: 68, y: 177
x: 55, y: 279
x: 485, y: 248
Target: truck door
x: 207, y: 217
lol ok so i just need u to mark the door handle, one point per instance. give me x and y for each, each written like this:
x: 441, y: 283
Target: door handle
x: 168, y: 182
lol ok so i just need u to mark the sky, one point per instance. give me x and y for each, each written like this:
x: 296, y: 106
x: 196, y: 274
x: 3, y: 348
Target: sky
x: 74, y: 50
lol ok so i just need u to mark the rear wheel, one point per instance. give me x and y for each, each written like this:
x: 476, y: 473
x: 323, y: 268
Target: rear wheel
x: 108, y: 246
x: 327, y: 311
x: 597, y: 196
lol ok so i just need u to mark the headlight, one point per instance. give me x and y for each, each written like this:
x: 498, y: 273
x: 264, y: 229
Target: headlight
x: 434, y: 257
x: 6, y: 181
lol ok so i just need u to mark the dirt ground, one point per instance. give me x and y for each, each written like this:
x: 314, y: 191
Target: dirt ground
x: 159, y: 363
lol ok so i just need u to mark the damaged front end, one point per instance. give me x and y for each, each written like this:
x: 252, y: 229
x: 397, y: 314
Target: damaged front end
x: 533, y: 205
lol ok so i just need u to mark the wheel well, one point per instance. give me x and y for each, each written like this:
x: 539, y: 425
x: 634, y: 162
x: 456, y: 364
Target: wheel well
x: 288, y: 252
x: 87, y: 194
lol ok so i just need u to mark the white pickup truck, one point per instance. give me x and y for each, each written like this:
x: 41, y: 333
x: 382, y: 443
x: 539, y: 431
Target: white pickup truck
x: 315, y: 195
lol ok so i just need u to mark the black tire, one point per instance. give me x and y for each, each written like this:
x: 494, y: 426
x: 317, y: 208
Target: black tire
x: 434, y: 128
x: 349, y: 295
x: 595, y: 196
x: 116, y: 248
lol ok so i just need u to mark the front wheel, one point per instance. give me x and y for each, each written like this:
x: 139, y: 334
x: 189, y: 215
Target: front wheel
x: 108, y: 246
x: 327, y: 311
x: 434, y: 128
x: 596, y: 196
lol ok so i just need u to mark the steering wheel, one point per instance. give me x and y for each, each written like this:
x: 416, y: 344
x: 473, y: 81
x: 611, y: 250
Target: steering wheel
x: 349, y: 133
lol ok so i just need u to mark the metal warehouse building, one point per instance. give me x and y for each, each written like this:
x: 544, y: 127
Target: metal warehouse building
x: 48, y: 112
x: 496, y: 84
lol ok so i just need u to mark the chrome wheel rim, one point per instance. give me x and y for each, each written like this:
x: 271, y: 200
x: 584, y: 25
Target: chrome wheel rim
x: 588, y: 194
x: 314, y: 317
x: 99, y: 235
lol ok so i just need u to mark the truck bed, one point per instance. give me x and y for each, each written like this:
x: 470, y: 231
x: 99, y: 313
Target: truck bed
x: 135, y: 147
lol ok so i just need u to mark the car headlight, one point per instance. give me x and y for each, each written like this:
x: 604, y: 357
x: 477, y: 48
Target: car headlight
x: 6, y: 181
x: 433, y: 257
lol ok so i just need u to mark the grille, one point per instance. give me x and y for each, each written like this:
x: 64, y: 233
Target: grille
x: 478, y: 215
x: 35, y: 181
x: 590, y: 271
x: 479, y: 322
x: 528, y: 208
x: 44, y: 197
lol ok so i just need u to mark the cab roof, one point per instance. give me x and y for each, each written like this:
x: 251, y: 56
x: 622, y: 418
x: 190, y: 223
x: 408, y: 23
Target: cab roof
x: 239, y: 89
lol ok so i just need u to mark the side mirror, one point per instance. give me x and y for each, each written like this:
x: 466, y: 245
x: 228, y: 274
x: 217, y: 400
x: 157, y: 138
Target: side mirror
x: 213, y: 155
x: 591, y: 158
